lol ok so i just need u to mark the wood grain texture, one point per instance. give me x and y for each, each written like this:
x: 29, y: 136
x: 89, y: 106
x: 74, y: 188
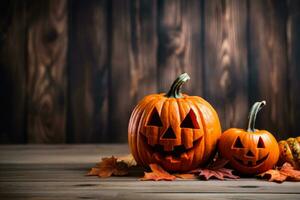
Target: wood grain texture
x: 72, y: 71
x: 147, y: 196
x: 58, y: 172
x: 120, y: 96
x: 133, y: 61
x: 46, y: 77
x: 88, y: 72
x: 171, y: 43
x: 143, y: 16
x: 293, y: 40
x: 180, y: 49
x: 225, y: 58
x: 268, y: 62
x: 12, y: 71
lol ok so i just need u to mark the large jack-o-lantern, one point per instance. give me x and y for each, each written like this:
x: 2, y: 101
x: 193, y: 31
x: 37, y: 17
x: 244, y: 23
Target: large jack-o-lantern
x: 177, y: 131
x: 252, y: 151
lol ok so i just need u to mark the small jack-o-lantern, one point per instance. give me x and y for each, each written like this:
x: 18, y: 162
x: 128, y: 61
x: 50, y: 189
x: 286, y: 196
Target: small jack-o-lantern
x: 177, y: 131
x: 252, y: 151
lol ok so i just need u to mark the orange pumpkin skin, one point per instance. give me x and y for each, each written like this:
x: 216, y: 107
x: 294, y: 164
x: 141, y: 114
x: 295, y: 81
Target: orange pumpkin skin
x: 249, y: 152
x: 178, y: 133
x: 261, y: 158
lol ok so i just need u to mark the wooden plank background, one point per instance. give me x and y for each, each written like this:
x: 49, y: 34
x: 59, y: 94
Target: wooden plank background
x: 71, y: 71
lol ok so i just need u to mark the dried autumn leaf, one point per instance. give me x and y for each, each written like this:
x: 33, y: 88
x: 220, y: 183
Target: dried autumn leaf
x: 217, y: 173
x: 227, y: 173
x: 286, y: 172
x: 273, y: 175
x: 215, y: 170
x: 108, y: 167
x: 157, y: 174
x: 207, y: 174
x: 128, y: 159
x: 121, y: 169
x: 93, y: 172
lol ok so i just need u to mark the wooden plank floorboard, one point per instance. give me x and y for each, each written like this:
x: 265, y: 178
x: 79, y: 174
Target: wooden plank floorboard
x: 162, y: 196
x: 135, y: 186
x: 59, y: 154
x: 58, y: 172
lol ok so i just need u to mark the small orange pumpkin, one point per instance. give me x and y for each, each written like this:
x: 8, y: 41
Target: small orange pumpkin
x: 252, y: 151
x: 290, y: 151
x: 177, y: 131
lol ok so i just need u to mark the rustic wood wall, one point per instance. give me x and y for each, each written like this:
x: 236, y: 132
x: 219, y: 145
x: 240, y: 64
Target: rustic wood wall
x: 71, y: 71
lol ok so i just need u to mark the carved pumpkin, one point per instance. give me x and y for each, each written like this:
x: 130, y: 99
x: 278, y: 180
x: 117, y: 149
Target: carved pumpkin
x: 177, y: 131
x: 290, y: 151
x: 252, y: 151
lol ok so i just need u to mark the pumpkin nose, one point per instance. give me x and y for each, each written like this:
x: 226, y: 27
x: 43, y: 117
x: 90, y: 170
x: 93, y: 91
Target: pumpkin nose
x: 169, y: 134
x: 250, y: 154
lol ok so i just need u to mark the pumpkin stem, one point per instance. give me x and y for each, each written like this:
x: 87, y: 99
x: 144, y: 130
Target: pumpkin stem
x: 175, y: 90
x: 252, y: 115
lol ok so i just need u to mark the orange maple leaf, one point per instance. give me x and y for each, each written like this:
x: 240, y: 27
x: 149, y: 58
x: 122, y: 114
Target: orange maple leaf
x: 157, y: 174
x: 286, y: 172
x: 108, y: 167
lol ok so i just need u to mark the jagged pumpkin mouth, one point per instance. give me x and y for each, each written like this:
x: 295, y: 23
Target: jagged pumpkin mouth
x: 251, y: 163
x: 180, y: 152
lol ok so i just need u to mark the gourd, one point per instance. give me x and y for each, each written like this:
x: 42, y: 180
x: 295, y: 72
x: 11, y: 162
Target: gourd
x: 290, y: 151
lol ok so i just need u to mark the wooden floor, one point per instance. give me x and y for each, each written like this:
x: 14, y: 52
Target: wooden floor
x: 40, y: 172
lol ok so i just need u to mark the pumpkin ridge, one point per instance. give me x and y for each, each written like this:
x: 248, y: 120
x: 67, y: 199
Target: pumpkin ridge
x: 136, y: 115
x: 142, y: 121
x: 205, y: 157
x: 135, y: 132
x: 161, y: 114
x: 174, y: 105
x: 185, y: 106
x: 178, y: 103
x: 182, y: 110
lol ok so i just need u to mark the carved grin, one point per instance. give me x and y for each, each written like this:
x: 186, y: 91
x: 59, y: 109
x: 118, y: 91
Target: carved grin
x: 178, y: 154
x: 250, y: 163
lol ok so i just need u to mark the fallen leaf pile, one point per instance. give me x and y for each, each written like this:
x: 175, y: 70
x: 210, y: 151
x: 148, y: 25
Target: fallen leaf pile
x: 286, y: 172
x: 157, y: 174
x: 120, y: 167
x: 112, y: 166
x: 215, y: 170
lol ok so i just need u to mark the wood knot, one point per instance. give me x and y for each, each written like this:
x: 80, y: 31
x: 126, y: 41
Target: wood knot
x: 173, y: 42
x: 51, y: 36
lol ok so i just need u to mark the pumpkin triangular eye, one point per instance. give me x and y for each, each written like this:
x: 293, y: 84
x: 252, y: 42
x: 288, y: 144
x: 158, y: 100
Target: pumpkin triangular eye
x: 238, y: 143
x: 260, y: 143
x: 154, y: 119
x: 190, y: 121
